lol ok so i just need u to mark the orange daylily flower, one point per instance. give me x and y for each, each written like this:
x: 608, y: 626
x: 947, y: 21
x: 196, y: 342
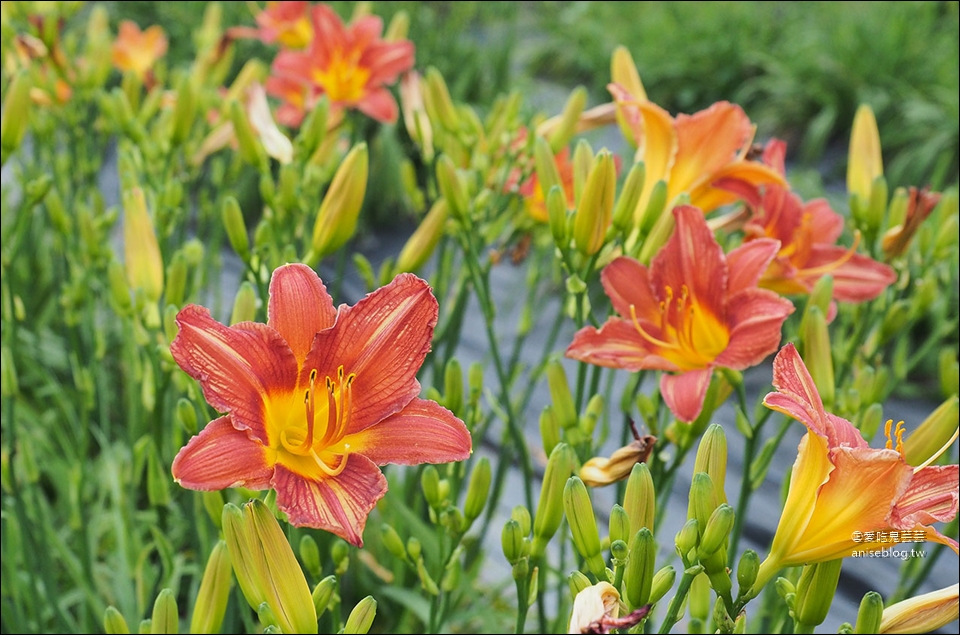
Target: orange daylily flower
x: 693, y: 310
x: 692, y: 152
x: 844, y: 495
x: 535, y: 199
x: 921, y: 203
x: 136, y: 50
x: 351, y: 65
x: 316, y: 399
x: 807, y: 233
x: 285, y: 22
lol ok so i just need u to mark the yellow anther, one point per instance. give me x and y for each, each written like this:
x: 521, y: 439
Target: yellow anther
x: 886, y: 433
x: 899, y: 433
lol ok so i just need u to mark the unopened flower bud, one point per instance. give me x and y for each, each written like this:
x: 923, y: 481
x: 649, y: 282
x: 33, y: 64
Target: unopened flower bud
x: 561, y: 134
x: 211, y: 605
x: 619, y: 552
x: 686, y: 539
x: 698, y: 599
x: 563, y: 405
x: 430, y: 482
x: 113, y: 622
x: 717, y: 531
x: 340, y: 554
x: 662, y: 227
x: 361, y: 617
x: 818, y: 355
x: 452, y: 575
x: 933, y: 435
x: 236, y: 228
x: 619, y: 524
x: 895, y: 320
x: 548, y: 174
x: 16, y: 115
x: 820, y: 297
x: 703, y: 500
x: 141, y: 251
x: 478, y: 490
x: 414, y: 548
x: 244, y: 304
x: 549, y: 430
x: 747, y: 570
x: 876, y: 206
x: 865, y: 162
x: 949, y: 372
x: 550, y: 510
x: 165, y: 618
x: 582, y: 165
x: 176, y: 286
x: 323, y: 593
x: 392, y: 541
x: 583, y: 525
x: 337, y: 219
x: 639, y: 574
x: 522, y: 515
x: 184, y: 111
x: 422, y: 243
x: 577, y: 582
x: 870, y: 613
x: 924, y: 613
x: 639, y: 499
x: 662, y: 583
x: 310, y: 554
x: 557, y: 215
x: 511, y: 540
x: 452, y: 187
x: 712, y: 459
x: 250, y: 149
x: 815, y: 591
x: 650, y: 209
x: 438, y: 101
x: 623, y: 213
x: 595, y: 205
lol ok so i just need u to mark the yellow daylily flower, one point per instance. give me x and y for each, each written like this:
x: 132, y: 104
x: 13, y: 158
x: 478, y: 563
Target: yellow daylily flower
x: 923, y: 613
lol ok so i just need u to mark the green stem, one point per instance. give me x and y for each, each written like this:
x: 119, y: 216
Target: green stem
x: 673, y: 612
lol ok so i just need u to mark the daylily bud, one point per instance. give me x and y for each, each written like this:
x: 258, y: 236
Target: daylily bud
x: 478, y: 490
x: 562, y: 133
x: 421, y: 244
x: 639, y: 574
x: 619, y: 524
x: 549, y: 430
x: 213, y: 504
x: 340, y: 554
x: 818, y: 355
x: 949, y: 372
x: 712, y: 459
x: 653, y: 209
x: 548, y: 175
x: 58, y: 213
x: 145, y: 628
x: 639, y: 499
x: 250, y: 149
x: 820, y: 297
x: 414, y: 548
x: 452, y: 187
x: 815, y: 591
x: 557, y: 215
x: 895, y: 320
x: 583, y: 525
x: 592, y: 413
x: 717, y: 531
x: 662, y: 228
x: 141, y: 250
x: 452, y: 575
x: 310, y: 554
x: 550, y: 510
x: 703, y: 500
x: 623, y: 213
x: 313, y: 132
x: 165, y: 618
x: 865, y: 162
x: 577, y: 582
x: 430, y: 482
x: 786, y: 590
x: 923, y: 613
x: 870, y: 614
x: 184, y: 111
x: 398, y: 28
x: 438, y: 100
x: 361, y: 617
x: 582, y: 165
x: 686, y: 539
x: 522, y: 515
x: 870, y: 421
x: 323, y: 593
x: 699, y: 598
x: 119, y: 290
x: 236, y: 228
x: 747, y: 570
x: 16, y: 115
x: 113, y: 622
x: 511, y: 540
x: 176, y: 280
x: 662, y: 583
x: 245, y: 304
x: 158, y: 478
x: 931, y: 436
x: 563, y: 406
x: 595, y: 207
x: 337, y: 219
x: 266, y: 569
x: 392, y: 541
x: 211, y: 604
x: 876, y: 206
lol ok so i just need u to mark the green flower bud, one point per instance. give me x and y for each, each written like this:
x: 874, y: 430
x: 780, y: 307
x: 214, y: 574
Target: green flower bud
x: 712, y: 459
x: 639, y: 574
x: 337, y: 218
x: 747, y: 570
x: 245, y: 304
x: 521, y: 570
x: 699, y: 598
x: 662, y: 583
x: 818, y: 354
x: 392, y: 541
x: 562, y: 133
x: 512, y: 539
x: 414, y: 548
x: 662, y: 227
x: 949, y: 372
x: 548, y: 175
x: 786, y: 590
x: 310, y: 554
x: 211, y: 605
x: 113, y: 622
x: 522, y: 515
x: 236, y: 228
x: 619, y: 524
x: 422, y: 243
x: 213, y: 504
x: 870, y: 613
x: 703, y: 500
x: 648, y: 216
x: 583, y: 525
x: 438, y: 102
x: 876, y: 206
x: 686, y: 539
x: 619, y: 552
x: 478, y: 490
x: 184, y: 112
x: 595, y: 207
x: 549, y: 430
x: 895, y: 320
x: 340, y: 554
x: 323, y: 593
x: 158, y: 478
x: 16, y: 115
x: 361, y: 617
x: 577, y: 582
x: 250, y: 149
x: 452, y: 575
x: 557, y: 215
x: 453, y: 187
x: 165, y: 618
x: 870, y: 421
x: 141, y: 250
x: 934, y: 435
x: 430, y: 482
x: 623, y: 213
x: 582, y: 164
x: 549, y: 514
x: 176, y: 280
x: 563, y: 405
x: 639, y: 499
x: 591, y: 415
x: 717, y: 531
x: 815, y: 591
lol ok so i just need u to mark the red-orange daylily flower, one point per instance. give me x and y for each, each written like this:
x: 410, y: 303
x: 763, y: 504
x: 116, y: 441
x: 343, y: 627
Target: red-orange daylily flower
x: 316, y: 398
x: 844, y: 495
x: 693, y: 310
x: 351, y: 65
x: 808, y: 233
x: 136, y: 50
x: 285, y: 22
x: 919, y: 206
x: 692, y: 152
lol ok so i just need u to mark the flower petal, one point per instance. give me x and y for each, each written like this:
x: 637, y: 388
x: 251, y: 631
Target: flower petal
x: 423, y: 432
x: 684, y: 393
x: 237, y: 366
x: 931, y: 497
x: 383, y: 339
x: 221, y: 456
x: 299, y: 307
x: 746, y: 264
x: 858, y: 279
x: 386, y: 60
x: 720, y: 187
x: 617, y: 344
x: 755, y: 317
x: 379, y: 104
x: 707, y: 141
x: 338, y: 504
x: 626, y: 282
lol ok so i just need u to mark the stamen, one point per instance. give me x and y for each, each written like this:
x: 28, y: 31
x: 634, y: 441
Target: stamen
x: 886, y: 433
x: 836, y: 264
x: 647, y: 336
x: 899, y: 434
x: 308, y: 400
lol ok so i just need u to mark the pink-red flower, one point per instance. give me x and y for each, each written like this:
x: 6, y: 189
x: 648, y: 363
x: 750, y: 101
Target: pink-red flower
x: 844, y: 495
x: 808, y: 233
x: 316, y: 399
x: 351, y: 65
x: 693, y: 310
